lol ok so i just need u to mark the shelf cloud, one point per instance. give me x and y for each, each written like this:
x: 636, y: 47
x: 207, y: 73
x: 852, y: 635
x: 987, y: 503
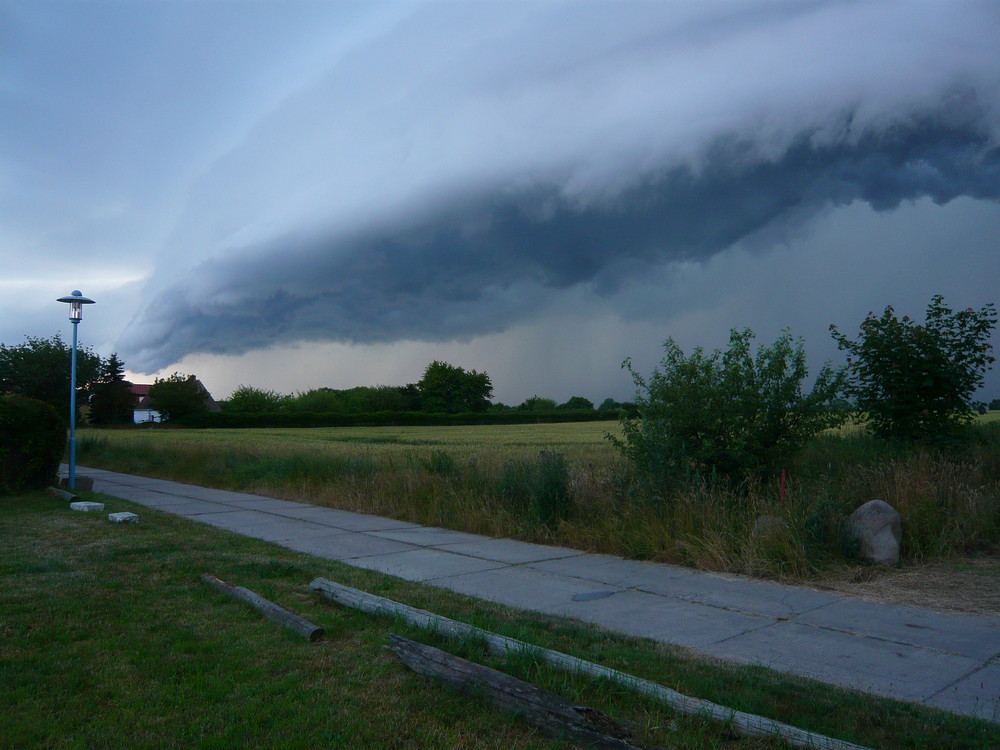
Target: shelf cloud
x: 453, y: 166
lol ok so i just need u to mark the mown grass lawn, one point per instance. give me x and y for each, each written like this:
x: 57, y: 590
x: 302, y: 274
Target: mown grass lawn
x: 108, y: 639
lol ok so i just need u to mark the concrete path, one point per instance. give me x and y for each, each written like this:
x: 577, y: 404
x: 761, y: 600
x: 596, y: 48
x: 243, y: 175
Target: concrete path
x: 950, y: 661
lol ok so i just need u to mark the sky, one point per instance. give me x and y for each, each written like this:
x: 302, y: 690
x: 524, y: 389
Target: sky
x: 294, y: 194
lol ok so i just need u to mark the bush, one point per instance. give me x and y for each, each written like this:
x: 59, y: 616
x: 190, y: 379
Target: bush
x: 32, y: 441
x: 726, y: 415
x: 917, y: 382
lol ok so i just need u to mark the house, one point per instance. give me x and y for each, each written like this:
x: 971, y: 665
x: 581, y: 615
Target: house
x: 141, y: 409
x: 144, y: 411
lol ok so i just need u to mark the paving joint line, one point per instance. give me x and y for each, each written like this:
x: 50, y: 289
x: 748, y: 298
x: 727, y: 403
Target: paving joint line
x: 955, y: 681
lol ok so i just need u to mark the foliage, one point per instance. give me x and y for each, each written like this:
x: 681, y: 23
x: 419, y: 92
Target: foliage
x: 112, y: 399
x: 609, y: 404
x: 537, y: 403
x: 249, y: 400
x: 40, y: 368
x: 32, y: 441
x: 178, y: 396
x: 916, y: 382
x: 577, y: 402
x: 726, y: 414
x: 450, y: 389
x: 995, y: 404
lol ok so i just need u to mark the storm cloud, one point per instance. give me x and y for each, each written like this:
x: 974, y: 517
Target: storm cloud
x: 455, y: 165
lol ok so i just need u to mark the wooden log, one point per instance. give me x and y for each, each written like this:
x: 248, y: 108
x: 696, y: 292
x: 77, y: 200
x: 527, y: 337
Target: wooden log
x: 740, y: 722
x: 552, y: 714
x: 269, y: 609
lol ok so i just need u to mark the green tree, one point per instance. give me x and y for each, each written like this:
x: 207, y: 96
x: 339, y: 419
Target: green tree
x: 249, y: 400
x: 111, y: 399
x: 450, y: 389
x: 40, y: 369
x: 726, y: 415
x: 995, y: 404
x: 578, y: 403
x: 178, y: 396
x: 537, y: 403
x: 916, y: 381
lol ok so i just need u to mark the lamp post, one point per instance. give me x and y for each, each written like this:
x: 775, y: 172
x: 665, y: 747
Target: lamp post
x: 76, y: 301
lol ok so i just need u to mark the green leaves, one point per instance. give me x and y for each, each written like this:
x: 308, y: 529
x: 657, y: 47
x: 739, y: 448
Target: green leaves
x: 916, y: 382
x: 450, y: 389
x: 726, y: 414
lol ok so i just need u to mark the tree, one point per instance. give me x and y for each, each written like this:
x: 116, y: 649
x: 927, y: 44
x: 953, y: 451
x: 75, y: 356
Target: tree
x: 111, y: 401
x: 450, y: 389
x: 995, y: 404
x: 40, y: 369
x: 249, y: 400
x: 537, y: 403
x: 178, y: 396
x: 916, y: 382
x: 727, y: 414
x: 579, y: 403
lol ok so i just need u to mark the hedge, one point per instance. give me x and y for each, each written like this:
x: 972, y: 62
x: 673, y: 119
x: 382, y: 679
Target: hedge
x: 391, y: 418
x: 32, y: 442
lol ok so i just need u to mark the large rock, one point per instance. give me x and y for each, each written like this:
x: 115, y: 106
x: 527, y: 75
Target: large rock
x: 876, y: 529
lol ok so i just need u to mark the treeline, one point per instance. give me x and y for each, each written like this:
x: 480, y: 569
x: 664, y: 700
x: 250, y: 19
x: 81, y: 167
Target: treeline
x: 445, y: 394
x: 392, y: 418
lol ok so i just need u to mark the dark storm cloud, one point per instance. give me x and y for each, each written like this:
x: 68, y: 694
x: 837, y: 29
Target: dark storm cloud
x: 477, y: 264
x: 453, y: 167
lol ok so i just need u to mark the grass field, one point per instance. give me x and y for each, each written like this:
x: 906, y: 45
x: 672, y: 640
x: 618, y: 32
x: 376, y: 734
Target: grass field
x: 566, y: 484
x: 108, y: 639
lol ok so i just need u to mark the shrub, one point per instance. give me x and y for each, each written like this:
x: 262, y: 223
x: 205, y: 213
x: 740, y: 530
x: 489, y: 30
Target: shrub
x: 250, y: 400
x: 32, y: 441
x: 917, y: 382
x: 727, y: 414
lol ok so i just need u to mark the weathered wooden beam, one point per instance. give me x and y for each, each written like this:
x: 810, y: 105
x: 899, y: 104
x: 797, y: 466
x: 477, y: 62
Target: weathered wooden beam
x: 552, y: 714
x: 268, y: 608
x: 740, y: 722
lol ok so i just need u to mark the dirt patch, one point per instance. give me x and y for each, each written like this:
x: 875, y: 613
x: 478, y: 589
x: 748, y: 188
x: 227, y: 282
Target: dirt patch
x: 967, y: 585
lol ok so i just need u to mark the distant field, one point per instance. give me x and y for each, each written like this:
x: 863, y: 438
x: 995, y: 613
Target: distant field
x: 576, y: 439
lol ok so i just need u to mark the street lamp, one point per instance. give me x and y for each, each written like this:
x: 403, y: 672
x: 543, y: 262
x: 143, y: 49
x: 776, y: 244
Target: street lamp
x: 76, y: 301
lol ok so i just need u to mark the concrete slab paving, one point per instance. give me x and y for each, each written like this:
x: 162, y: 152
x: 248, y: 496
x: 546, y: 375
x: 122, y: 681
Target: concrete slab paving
x: 612, y: 570
x: 523, y: 587
x: 192, y: 508
x: 967, y: 635
x: 510, y: 550
x: 977, y: 693
x: 897, y: 670
x: 666, y: 620
x: 266, y: 526
x: 340, y: 546
x: 344, y: 519
x: 950, y: 661
x: 425, y: 564
x: 428, y: 536
x: 254, y: 502
x: 741, y: 594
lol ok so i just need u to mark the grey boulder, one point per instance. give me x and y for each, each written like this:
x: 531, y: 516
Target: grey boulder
x: 876, y: 529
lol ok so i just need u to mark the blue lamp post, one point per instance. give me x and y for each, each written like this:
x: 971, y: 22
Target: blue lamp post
x: 76, y: 301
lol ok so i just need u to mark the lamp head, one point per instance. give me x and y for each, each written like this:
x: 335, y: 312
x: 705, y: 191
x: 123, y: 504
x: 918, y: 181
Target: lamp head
x: 76, y: 301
